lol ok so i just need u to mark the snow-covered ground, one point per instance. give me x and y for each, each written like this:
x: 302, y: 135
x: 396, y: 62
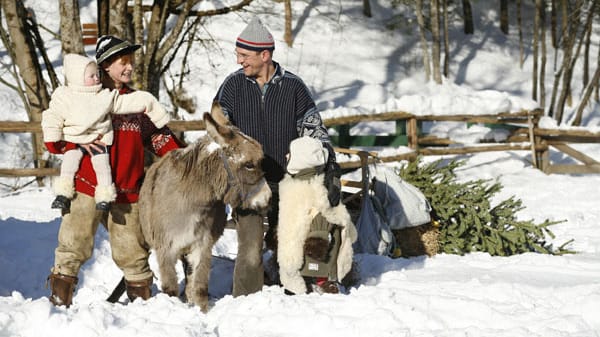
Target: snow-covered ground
x: 352, y: 64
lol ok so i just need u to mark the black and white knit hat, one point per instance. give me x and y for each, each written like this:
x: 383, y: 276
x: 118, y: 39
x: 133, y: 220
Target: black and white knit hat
x: 255, y: 37
x: 108, y: 46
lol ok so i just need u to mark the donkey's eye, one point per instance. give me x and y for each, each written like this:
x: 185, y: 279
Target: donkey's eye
x: 249, y: 166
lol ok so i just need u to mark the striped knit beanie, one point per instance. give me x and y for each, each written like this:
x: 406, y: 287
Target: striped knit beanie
x: 255, y: 37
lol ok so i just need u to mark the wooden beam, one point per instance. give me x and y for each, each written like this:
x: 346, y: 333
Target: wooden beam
x: 573, y: 169
x: 351, y: 183
x: 519, y: 117
x: 500, y: 118
x: 353, y: 151
x: 571, y: 139
x: 575, y: 154
x: 90, y: 33
x: 23, y: 126
x: 472, y: 149
x: 20, y: 126
x: 193, y: 125
x: 399, y: 157
x: 572, y: 132
x: 380, y: 159
x: 353, y: 119
x: 29, y: 172
x: 434, y: 140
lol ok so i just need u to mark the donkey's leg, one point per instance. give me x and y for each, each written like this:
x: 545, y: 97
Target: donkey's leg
x: 196, y: 288
x: 167, y: 260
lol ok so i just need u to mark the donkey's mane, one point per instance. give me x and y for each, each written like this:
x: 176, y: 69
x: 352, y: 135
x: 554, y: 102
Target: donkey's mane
x: 201, y: 163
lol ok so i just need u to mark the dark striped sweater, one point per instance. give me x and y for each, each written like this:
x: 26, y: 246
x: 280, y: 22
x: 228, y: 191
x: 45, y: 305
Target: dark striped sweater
x: 285, y: 112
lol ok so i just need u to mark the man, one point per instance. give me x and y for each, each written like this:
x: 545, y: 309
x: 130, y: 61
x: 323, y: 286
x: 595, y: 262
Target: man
x: 273, y: 106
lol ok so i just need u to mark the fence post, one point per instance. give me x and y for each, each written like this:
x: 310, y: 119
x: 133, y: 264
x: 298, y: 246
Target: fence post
x: 412, y: 133
x: 532, y: 140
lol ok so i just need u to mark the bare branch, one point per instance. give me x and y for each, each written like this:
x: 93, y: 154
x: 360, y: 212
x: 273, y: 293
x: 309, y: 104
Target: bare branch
x: 171, y: 40
x: 212, y: 12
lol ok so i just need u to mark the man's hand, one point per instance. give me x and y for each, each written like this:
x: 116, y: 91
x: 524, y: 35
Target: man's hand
x: 333, y: 172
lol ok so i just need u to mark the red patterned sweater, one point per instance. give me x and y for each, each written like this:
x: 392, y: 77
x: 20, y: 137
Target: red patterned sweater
x: 132, y: 133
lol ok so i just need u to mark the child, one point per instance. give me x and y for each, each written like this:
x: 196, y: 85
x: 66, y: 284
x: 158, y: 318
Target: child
x: 315, y: 236
x: 79, y: 114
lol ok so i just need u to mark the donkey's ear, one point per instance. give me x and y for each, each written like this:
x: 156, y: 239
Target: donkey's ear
x: 219, y: 133
x: 216, y: 111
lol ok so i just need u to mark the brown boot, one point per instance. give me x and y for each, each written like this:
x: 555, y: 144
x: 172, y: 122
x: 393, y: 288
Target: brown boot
x: 139, y: 289
x: 62, y: 287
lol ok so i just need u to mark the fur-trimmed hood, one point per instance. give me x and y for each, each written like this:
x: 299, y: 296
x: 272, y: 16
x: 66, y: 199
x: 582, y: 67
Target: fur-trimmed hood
x: 299, y: 201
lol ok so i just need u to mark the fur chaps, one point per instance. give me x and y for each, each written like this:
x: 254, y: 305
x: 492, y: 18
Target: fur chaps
x: 64, y: 186
x: 299, y: 202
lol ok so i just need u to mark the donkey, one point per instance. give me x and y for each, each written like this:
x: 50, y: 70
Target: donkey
x: 183, y: 197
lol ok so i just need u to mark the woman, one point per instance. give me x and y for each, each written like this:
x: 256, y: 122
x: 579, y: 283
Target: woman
x: 132, y: 133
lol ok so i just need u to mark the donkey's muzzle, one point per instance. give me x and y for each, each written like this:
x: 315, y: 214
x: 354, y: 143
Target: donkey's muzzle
x: 259, y: 196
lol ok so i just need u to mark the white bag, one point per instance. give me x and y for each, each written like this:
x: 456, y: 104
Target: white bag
x: 405, y: 205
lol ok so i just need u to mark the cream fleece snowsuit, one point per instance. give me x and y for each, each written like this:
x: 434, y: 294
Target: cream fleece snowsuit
x: 300, y: 201
x: 81, y: 114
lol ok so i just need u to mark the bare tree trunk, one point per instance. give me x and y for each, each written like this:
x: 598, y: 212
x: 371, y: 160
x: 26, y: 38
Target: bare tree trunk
x: 424, y: 48
x: 586, y: 55
x: 287, y: 35
x: 468, y: 16
x: 119, y: 20
x: 586, y: 97
x: 119, y: 24
x: 31, y: 74
x: 536, y: 43
x: 554, y: 34
x: 367, y: 8
x: 70, y: 27
x: 570, y: 59
x: 520, y: 28
x: 542, y: 78
x: 159, y: 45
x: 103, y: 17
x: 34, y: 34
x: 588, y: 34
x: 12, y: 68
x: 435, y: 37
x: 138, y: 29
x: 161, y: 41
x: 564, y: 23
x: 564, y: 4
x: 557, y: 75
x: 566, y: 80
x: 446, y: 38
x: 553, y: 24
x: 597, y: 84
x: 504, y: 16
x: 178, y: 94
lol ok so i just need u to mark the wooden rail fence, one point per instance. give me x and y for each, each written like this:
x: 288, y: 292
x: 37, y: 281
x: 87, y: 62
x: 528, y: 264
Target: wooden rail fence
x: 525, y: 135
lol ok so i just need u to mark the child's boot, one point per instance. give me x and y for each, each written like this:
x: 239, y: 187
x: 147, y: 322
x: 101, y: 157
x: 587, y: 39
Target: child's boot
x: 63, y: 187
x: 105, y: 194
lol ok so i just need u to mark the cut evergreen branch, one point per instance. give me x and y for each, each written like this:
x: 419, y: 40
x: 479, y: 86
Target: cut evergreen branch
x: 468, y: 222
